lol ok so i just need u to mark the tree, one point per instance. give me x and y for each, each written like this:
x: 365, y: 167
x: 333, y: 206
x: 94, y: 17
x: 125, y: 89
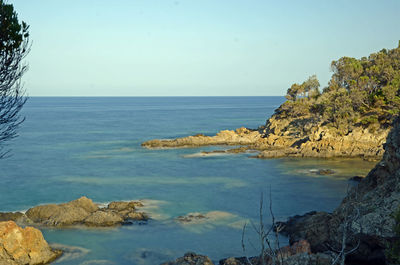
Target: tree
x: 14, y: 46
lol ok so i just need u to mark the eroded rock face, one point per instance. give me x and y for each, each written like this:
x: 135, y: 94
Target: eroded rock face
x: 376, y: 197
x: 310, y: 138
x: 191, y: 259
x: 21, y: 246
x: 80, y: 212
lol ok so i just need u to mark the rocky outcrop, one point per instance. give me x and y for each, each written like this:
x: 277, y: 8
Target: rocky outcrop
x: 367, y: 209
x: 23, y: 246
x: 307, y: 137
x: 191, y: 258
x: 241, y: 136
x: 80, y: 212
x: 283, y: 137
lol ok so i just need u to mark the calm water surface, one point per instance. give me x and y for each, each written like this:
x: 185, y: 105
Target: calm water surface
x: 69, y: 147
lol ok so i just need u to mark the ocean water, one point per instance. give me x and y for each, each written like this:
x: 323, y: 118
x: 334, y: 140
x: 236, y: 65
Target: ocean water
x: 70, y: 147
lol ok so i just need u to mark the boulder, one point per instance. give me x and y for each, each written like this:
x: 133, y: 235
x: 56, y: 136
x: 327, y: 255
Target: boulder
x: 21, y: 246
x: 84, y: 212
x: 65, y: 214
x: 17, y: 217
x: 103, y: 218
x: 191, y: 258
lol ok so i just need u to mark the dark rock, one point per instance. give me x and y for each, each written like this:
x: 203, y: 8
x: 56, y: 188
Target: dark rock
x: 323, y: 171
x: 190, y: 218
x: 297, y: 254
x: 191, y: 258
x: 356, y: 178
x: 17, y: 217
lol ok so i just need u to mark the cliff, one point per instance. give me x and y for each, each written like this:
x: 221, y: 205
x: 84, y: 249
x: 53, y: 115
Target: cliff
x: 366, y: 214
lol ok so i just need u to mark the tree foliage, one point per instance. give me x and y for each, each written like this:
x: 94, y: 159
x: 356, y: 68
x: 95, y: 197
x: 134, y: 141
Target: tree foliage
x: 14, y: 46
x: 361, y: 92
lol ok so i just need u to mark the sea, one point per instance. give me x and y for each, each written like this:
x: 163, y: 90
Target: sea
x: 70, y: 147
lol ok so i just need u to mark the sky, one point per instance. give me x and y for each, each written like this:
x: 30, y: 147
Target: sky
x: 196, y: 47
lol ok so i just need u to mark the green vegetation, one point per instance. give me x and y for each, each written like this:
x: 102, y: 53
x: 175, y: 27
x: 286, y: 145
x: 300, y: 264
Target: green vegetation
x: 393, y: 252
x: 361, y: 92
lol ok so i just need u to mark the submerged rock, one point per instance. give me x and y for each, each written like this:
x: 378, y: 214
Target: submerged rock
x: 21, y: 246
x: 191, y: 218
x: 70, y: 252
x: 191, y: 258
x: 323, y: 171
x: 199, y: 218
x: 144, y: 256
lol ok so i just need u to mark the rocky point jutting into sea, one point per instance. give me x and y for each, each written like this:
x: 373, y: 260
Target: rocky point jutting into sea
x: 351, y: 117
x: 286, y: 137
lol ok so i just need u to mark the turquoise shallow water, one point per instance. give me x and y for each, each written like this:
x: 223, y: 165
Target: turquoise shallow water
x: 69, y: 147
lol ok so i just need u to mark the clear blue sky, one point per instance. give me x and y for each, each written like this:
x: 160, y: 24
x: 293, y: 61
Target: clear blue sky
x: 196, y: 48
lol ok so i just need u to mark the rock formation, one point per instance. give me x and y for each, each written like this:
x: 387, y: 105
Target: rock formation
x: 283, y: 137
x: 79, y: 212
x: 374, y: 200
x: 22, y: 246
x: 241, y: 136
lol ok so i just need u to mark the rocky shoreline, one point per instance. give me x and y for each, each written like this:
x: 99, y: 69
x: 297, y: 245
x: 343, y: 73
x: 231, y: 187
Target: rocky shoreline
x: 363, y: 222
x: 288, y: 138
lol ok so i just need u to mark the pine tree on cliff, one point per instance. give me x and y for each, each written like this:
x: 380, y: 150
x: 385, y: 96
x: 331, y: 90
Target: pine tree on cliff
x: 362, y: 92
x: 14, y: 46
